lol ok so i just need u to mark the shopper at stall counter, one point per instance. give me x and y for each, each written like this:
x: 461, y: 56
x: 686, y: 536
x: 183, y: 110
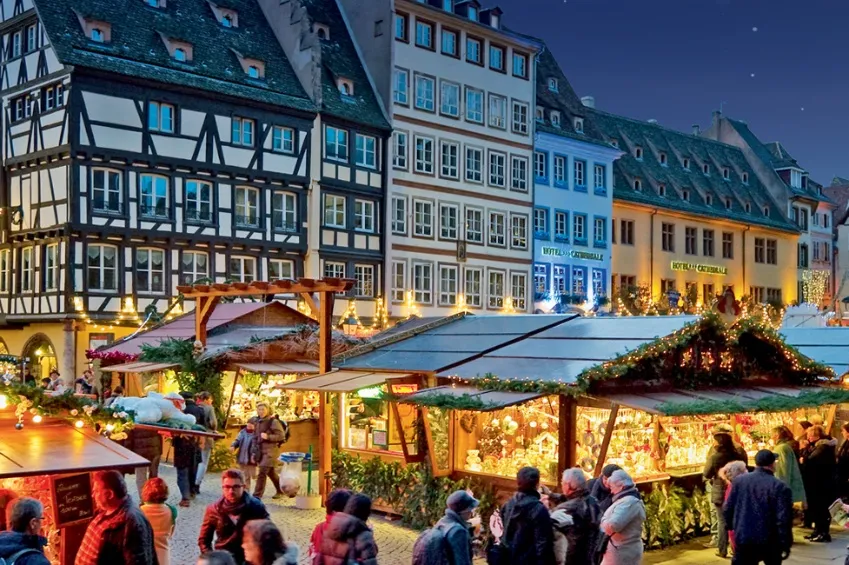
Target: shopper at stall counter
x: 760, y: 511
x: 23, y: 544
x: 819, y: 472
x: 268, y: 437
x: 623, y: 522
x: 528, y: 533
x: 723, y: 452
x: 599, y: 488
x: 581, y: 528
x: 787, y: 468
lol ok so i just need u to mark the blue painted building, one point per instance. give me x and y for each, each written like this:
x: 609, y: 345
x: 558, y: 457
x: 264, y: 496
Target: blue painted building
x: 573, y: 196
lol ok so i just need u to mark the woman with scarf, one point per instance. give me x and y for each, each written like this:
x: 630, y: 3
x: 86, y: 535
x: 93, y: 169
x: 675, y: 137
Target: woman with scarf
x: 622, y: 523
x: 787, y: 468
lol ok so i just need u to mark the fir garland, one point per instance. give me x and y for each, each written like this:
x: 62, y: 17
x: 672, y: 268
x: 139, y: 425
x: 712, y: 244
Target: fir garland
x: 444, y: 401
x: 776, y: 403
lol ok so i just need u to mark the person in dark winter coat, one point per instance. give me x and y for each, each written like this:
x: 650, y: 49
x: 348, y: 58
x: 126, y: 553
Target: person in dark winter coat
x: 119, y: 532
x: 148, y: 444
x: 581, y: 530
x: 760, y: 511
x: 245, y: 456
x: 599, y: 488
x: 723, y: 452
x: 23, y: 543
x: 335, y: 503
x: 843, y: 464
x: 819, y: 473
x: 225, y: 519
x: 455, y: 527
x: 527, y: 524
x: 267, y: 437
x: 347, y: 537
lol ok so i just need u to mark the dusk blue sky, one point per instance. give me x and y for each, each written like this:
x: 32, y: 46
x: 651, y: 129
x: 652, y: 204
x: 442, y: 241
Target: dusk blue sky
x: 677, y: 60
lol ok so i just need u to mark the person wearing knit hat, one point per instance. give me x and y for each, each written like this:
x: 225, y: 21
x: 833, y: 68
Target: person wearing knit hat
x: 723, y: 452
x: 526, y: 522
x: 450, y: 540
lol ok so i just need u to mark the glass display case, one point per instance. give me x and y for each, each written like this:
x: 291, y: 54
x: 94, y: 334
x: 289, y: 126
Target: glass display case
x: 373, y: 424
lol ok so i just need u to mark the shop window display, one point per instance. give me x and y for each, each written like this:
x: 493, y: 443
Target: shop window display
x: 289, y: 405
x: 372, y: 424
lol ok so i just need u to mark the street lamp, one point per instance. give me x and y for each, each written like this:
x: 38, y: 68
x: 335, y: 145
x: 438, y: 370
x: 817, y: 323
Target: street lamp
x: 349, y: 326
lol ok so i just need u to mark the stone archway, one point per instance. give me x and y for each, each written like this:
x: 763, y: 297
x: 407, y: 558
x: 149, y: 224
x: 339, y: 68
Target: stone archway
x: 39, y: 357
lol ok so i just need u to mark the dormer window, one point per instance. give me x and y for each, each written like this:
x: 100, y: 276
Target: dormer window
x: 709, y: 199
x: 614, y: 143
x: 180, y: 55
x: 706, y: 169
x: 727, y: 203
x: 819, y: 190
x: 686, y: 163
x: 322, y: 31
x: 726, y: 173
x: 97, y: 35
x: 227, y: 21
x: 638, y: 185
x: 253, y: 71
x: 493, y: 22
x: 225, y: 16
x: 766, y: 211
x: 745, y: 178
x: 473, y: 13
x: 540, y: 114
x: 97, y: 31
x: 346, y: 87
x: 579, y: 125
x: 448, y: 5
x: 254, y: 68
x: 638, y: 153
x: 663, y: 158
x: 661, y: 189
x: 155, y: 3
x: 179, y: 50
x: 748, y: 208
x: 685, y: 195
x: 555, y: 118
x: 552, y: 84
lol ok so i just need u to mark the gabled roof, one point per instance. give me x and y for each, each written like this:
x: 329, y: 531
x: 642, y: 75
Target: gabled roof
x: 340, y: 59
x: 136, y: 48
x: 655, y: 139
x: 839, y: 194
x: 781, y: 158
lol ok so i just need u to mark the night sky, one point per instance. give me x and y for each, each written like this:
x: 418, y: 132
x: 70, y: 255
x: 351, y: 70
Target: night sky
x: 677, y: 60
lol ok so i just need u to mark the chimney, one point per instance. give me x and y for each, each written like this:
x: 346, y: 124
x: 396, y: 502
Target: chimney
x: 717, y: 115
x: 652, y: 121
x: 588, y: 101
x: 696, y: 129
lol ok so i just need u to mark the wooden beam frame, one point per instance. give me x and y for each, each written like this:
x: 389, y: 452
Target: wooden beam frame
x: 325, y: 411
x: 261, y: 288
x: 605, y: 444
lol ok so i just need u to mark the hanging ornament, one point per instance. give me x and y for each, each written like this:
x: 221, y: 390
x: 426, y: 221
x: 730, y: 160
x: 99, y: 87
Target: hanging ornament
x: 19, y: 426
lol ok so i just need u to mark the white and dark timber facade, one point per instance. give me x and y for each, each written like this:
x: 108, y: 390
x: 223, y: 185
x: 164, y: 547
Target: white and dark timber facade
x: 152, y: 143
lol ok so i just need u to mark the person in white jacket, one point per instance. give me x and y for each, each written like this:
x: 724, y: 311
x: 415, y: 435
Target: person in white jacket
x: 623, y: 522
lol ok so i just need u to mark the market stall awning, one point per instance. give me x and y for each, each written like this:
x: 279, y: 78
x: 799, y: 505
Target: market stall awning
x: 343, y: 381
x: 139, y: 367
x: 681, y: 402
x: 278, y: 368
x: 468, y: 398
x: 829, y: 346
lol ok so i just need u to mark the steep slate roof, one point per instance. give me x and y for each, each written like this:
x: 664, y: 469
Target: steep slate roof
x: 653, y: 139
x: 781, y: 158
x: 839, y: 194
x: 137, y: 50
x: 339, y: 58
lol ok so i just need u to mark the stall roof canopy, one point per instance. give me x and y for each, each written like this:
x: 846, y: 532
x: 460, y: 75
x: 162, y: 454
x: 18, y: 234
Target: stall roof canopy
x: 561, y: 353
x: 279, y: 368
x: 139, y: 367
x: 829, y: 346
x: 446, y: 343
x: 468, y: 398
x: 343, y: 381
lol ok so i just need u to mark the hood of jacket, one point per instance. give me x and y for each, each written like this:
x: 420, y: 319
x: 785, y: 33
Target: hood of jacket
x: 344, y: 526
x: 13, y: 542
x: 632, y: 491
x: 826, y: 442
x: 290, y: 557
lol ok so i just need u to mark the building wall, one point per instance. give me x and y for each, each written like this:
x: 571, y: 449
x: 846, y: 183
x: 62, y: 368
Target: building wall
x: 648, y: 263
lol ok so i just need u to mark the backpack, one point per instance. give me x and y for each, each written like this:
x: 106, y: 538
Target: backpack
x: 285, y: 425
x: 431, y: 548
x: 12, y: 559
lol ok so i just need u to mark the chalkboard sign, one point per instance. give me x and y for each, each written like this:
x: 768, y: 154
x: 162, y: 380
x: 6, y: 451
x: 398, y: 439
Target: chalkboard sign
x: 72, y: 500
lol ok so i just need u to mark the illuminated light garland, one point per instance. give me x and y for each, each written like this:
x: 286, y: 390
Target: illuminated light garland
x: 410, y: 305
x: 814, y: 283
x: 381, y: 315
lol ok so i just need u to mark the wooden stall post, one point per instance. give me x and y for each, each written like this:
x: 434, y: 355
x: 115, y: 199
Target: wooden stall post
x: 325, y: 355
x: 568, y: 435
x: 829, y: 419
x: 605, y: 443
x: 232, y: 394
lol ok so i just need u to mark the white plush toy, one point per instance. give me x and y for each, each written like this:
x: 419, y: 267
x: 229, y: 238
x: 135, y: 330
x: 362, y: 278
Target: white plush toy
x: 155, y: 408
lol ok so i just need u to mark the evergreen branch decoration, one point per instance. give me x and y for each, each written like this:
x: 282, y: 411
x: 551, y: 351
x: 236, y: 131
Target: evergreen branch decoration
x: 444, y: 401
x: 775, y: 403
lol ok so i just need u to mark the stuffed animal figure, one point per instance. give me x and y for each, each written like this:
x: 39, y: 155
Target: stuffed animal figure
x: 154, y: 408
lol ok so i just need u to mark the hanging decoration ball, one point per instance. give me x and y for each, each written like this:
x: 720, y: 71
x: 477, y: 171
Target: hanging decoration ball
x: 36, y: 419
x: 19, y: 426
x: 74, y: 412
x: 78, y: 424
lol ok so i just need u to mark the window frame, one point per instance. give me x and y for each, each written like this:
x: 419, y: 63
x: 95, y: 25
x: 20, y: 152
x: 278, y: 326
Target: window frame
x: 405, y: 20
x: 667, y: 237
x: 363, y: 216
x: 241, y: 129
x: 154, y: 196
x: 27, y: 277
x: 446, y: 231
x: 503, y: 51
x: 243, y: 261
x: 470, y: 39
x: 198, y: 201
x: 524, y: 72
x: 467, y: 170
x: 107, y: 190
x: 583, y: 237
x: 424, y: 294
x: 473, y: 299
x: 471, y: 94
x: 284, y: 212
x: 450, y: 111
x: 518, y: 222
x: 278, y: 264
x: 497, y: 120
x: 422, y: 229
x: 279, y: 133
x: 245, y: 203
x: 428, y: 166
x: 394, y: 296
x: 480, y: 236
x: 495, y: 300
x: 424, y: 106
x: 425, y: 24
x: 401, y: 96
x: 102, y: 268
x: 448, y: 297
x: 150, y: 288
x: 340, y: 142
x: 446, y: 172
x: 397, y: 157
x: 398, y: 223
x: 493, y: 167
x: 362, y: 154
x: 447, y: 31
x: 601, y: 190
x: 520, y: 300
x: 362, y: 284
x: 493, y: 235
x: 600, y: 243
x: 518, y: 176
x: 579, y: 175
x: 157, y: 108
x: 334, y: 210
x: 5, y: 270
x: 519, y: 127
x: 194, y: 266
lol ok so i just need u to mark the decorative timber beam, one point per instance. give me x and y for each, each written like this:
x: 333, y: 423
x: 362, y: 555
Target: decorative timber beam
x: 263, y: 288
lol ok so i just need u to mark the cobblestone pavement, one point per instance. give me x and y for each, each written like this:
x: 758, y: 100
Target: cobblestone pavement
x: 394, y: 542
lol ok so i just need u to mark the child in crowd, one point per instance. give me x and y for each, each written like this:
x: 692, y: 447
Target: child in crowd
x: 243, y: 444
x: 161, y: 515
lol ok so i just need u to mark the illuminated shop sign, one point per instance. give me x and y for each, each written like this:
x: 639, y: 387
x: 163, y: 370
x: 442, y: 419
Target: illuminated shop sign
x: 574, y: 254
x: 699, y: 268
x: 403, y: 389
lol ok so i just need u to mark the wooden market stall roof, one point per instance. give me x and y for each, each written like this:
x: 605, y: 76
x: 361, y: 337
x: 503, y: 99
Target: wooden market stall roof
x: 139, y: 367
x: 343, y: 381
x: 472, y: 398
x: 829, y: 345
x: 56, y: 447
x: 279, y: 368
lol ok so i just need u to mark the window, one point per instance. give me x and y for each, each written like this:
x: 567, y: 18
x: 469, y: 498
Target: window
x: 150, y: 271
x: 685, y: 195
x: 519, y: 290
x: 686, y: 163
x: 599, y: 232
x: 282, y: 139
x: 520, y: 65
x: 423, y: 283
x: 520, y: 118
x: 423, y: 218
x: 552, y: 84
x: 579, y: 125
x: 474, y: 164
x: 519, y: 225
x: 399, y: 215
x: 626, y: 233
x: 449, y: 159
x: 497, y: 169
x: 399, y: 149
x: 334, y: 270
x: 194, y: 266
x: 27, y: 270
x: 424, y: 93
x: 579, y: 283
x: 243, y: 269
x: 580, y: 173
x: 555, y: 118
x: 661, y: 189
x: 561, y: 226
x: 473, y: 51
x: 98, y: 36
x: 448, y: 221
x: 16, y: 44
x: 800, y: 217
x: 668, y: 237
x: 707, y: 243
x: 364, y: 280
x: 496, y: 289
x: 726, y: 174
x: 449, y: 42
x: 247, y: 207
x: 760, y: 250
x: 540, y: 278
x: 541, y: 166
x: 180, y: 55
x: 709, y: 199
x: 424, y: 155
x: 796, y: 179
x: 706, y: 169
x: 474, y: 225
x: 690, y: 235
x: 334, y: 211
x: 447, y: 285
x: 366, y: 151
x: 560, y: 280
x: 627, y: 281
x: 106, y: 190
x: 579, y: 229
x: 496, y: 58
x: 227, y: 21
x: 745, y: 178
x: 727, y: 245
x: 335, y: 143
x: 817, y: 251
x: 638, y: 185
x: 21, y: 108
x: 541, y: 223
x: 757, y: 293
x: 424, y: 34
x: 154, y: 196
x: 472, y: 287
x: 662, y: 157
x: 449, y: 98
x: 473, y: 13
x: 560, y: 170
x: 401, y: 27
x: 599, y: 176
x: 242, y: 132
x: 364, y: 215
x: 280, y: 269
x: 160, y: 117
x: 667, y: 286
x: 766, y: 211
x: 4, y: 270
x: 826, y: 220
x: 253, y: 72
x: 497, y: 228
x: 497, y: 111
x: 771, y: 252
x: 519, y: 173
x: 598, y: 283
x: 198, y: 201
x: 474, y: 105
x: 102, y: 267
x: 399, y: 281
x: 774, y: 295
x: 708, y: 293
x: 401, y: 86
x: 727, y: 203
x: 638, y: 153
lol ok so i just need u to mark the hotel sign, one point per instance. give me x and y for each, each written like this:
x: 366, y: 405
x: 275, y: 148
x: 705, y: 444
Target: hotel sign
x: 574, y: 254
x: 699, y: 268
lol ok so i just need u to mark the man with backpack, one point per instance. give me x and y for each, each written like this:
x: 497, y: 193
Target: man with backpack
x: 528, y: 536
x: 269, y: 435
x: 449, y: 542
x: 23, y: 544
x: 576, y: 520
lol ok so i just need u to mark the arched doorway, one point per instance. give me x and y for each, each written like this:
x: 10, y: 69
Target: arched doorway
x: 38, y: 357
